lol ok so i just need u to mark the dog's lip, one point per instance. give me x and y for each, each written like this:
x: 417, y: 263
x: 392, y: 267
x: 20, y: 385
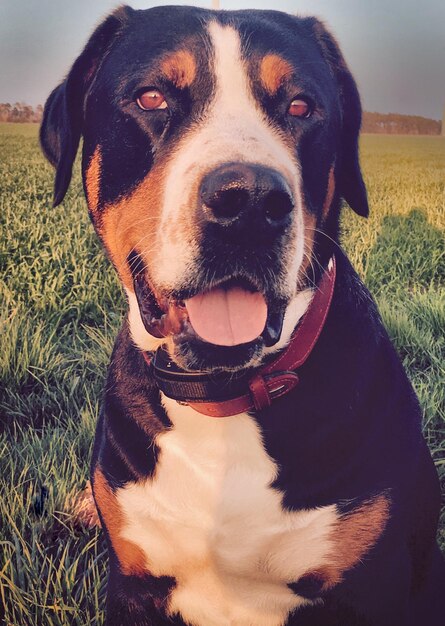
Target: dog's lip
x: 160, y: 315
x: 164, y: 315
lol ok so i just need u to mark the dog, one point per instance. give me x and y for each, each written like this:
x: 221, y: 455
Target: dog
x: 259, y: 458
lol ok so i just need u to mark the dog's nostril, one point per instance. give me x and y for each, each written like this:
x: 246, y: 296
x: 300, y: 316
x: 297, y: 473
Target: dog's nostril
x: 277, y: 206
x: 227, y: 203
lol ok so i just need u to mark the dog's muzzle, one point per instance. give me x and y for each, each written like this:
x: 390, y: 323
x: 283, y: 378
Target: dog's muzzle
x: 244, y: 216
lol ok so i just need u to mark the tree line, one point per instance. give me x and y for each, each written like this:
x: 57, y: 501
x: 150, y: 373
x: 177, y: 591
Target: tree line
x: 390, y: 123
x: 20, y: 112
x: 397, y: 124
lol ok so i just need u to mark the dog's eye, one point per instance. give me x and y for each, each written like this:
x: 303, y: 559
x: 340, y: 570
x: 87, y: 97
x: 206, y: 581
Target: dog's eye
x: 299, y: 108
x: 151, y: 100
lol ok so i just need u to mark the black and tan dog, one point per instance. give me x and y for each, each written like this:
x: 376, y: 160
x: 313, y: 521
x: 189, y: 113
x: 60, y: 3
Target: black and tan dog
x: 246, y: 473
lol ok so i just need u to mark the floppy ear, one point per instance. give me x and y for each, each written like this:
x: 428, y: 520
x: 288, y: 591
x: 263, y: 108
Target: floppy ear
x: 350, y: 182
x: 62, y: 123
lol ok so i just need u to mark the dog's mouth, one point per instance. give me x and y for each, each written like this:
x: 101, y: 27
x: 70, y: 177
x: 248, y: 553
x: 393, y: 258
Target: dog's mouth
x: 229, y: 314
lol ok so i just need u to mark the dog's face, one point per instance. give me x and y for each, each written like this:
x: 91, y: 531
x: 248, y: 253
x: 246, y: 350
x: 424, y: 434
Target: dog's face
x: 217, y: 148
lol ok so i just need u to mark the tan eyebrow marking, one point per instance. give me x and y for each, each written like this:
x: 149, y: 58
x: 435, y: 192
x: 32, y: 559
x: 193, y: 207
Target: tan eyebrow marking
x: 180, y: 68
x: 273, y: 71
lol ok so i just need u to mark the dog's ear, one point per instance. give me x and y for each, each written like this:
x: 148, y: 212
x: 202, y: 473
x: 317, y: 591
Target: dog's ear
x: 62, y: 123
x: 351, y: 185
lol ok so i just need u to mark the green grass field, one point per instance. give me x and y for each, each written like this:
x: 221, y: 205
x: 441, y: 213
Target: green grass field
x: 61, y: 306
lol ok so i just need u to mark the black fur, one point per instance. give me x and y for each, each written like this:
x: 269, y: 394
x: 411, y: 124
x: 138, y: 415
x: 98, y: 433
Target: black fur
x: 352, y: 427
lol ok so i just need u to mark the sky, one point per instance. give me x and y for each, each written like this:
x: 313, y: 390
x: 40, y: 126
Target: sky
x: 395, y: 48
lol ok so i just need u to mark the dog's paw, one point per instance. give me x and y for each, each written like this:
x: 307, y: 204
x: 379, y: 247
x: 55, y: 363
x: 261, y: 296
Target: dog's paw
x: 83, y: 509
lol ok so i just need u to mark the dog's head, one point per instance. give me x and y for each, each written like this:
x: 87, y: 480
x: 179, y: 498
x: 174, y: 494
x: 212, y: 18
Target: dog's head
x: 217, y: 147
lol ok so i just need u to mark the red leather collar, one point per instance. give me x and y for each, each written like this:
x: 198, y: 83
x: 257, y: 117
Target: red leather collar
x: 278, y: 377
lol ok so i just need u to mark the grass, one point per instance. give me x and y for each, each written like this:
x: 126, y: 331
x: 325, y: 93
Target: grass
x: 61, y: 306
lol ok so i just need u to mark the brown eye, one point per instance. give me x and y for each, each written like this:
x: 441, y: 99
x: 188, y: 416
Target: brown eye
x: 299, y: 108
x: 151, y: 100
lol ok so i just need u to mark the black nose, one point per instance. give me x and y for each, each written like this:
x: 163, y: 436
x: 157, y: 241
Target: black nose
x: 246, y: 199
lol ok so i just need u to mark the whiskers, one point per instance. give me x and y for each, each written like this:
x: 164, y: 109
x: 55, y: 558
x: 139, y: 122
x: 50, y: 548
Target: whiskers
x: 311, y: 260
x: 304, y: 275
x: 320, y: 232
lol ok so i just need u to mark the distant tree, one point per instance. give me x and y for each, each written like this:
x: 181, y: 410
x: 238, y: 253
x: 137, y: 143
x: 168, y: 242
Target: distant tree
x: 5, y: 111
x: 38, y: 113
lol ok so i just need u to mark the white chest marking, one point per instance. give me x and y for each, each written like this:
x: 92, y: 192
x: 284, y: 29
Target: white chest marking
x: 210, y: 519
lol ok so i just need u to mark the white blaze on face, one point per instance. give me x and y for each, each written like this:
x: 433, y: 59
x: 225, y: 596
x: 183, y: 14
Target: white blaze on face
x: 234, y: 129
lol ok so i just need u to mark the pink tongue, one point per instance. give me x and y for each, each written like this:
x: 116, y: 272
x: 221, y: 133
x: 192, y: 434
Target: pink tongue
x: 227, y: 317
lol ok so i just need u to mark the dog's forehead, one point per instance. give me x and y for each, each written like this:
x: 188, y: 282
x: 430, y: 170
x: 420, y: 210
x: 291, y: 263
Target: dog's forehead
x: 286, y: 42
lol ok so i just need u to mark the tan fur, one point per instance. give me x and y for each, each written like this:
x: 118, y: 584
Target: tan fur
x: 83, y: 508
x: 180, y: 68
x: 310, y: 223
x: 329, y: 193
x: 131, y: 558
x: 92, y: 180
x: 273, y: 72
x: 130, y: 223
x: 353, y: 537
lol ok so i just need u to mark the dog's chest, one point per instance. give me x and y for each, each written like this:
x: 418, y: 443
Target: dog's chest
x: 210, y: 519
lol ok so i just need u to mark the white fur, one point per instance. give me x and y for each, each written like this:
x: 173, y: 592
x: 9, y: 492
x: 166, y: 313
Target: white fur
x: 294, y: 312
x: 210, y: 519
